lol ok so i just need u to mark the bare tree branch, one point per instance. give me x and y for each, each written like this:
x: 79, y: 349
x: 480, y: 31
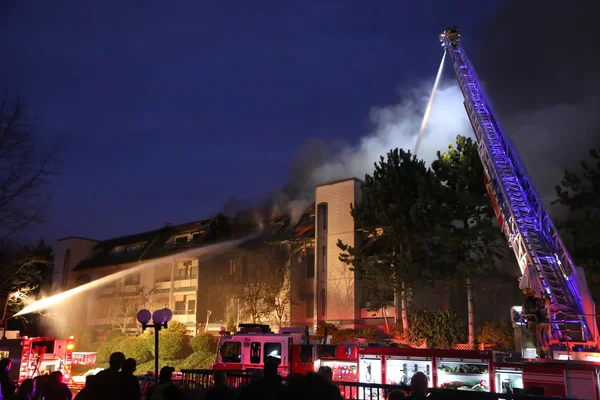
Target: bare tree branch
x: 24, y: 168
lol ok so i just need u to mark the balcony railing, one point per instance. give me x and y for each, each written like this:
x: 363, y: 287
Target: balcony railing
x: 177, y: 278
x: 184, y: 312
x: 183, y: 277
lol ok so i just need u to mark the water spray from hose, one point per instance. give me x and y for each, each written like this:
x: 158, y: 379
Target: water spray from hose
x: 430, y: 103
x: 61, y: 297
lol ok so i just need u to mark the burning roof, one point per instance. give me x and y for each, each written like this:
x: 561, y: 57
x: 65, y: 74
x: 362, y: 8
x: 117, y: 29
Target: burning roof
x: 280, y: 224
x: 148, y: 245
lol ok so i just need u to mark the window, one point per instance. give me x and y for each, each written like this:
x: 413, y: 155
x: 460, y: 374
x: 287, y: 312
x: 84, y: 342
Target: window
x: 48, y: 344
x: 255, y: 353
x: 179, y: 307
x: 324, y: 258
x: 133, y: 279
x: 272, y: 350
x: 129, y: 248
x: 187, y: 270
x: 309, y: 260
x: 322, y: 218
x: 376, y: 295
x: 306, y: 353
x: 191, y: 306
x: 184, y: 238
x: 323, y: 300
x: 231, y: 352
x: 233, y: 267
x: 185, y: 305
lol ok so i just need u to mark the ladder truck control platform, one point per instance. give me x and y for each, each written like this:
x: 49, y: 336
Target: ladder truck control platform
x: 546, y: 266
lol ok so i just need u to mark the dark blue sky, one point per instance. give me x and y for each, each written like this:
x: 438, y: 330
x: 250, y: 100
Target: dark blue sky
x: 164, y: 111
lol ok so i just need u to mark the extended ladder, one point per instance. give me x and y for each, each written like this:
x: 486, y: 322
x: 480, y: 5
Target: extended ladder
x: 525, y: 221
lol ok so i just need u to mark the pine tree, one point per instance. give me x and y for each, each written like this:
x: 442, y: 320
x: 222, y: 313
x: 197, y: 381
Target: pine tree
x: 581, y: 230
x: 399, y: 215
x: 473, y: 240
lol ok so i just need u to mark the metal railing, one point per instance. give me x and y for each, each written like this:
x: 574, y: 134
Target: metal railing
x: 350, y: 390
x: 562, y: 325
x: 203, y: 377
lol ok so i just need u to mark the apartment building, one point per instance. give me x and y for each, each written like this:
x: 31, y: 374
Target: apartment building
x: 236, y: 285
x: 167, y: 268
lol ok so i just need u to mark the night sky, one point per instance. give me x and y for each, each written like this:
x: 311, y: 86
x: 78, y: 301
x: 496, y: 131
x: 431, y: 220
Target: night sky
x: 163, y: 112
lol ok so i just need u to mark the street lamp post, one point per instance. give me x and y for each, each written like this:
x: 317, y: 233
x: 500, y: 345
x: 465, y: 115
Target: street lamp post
x: 160, y: 319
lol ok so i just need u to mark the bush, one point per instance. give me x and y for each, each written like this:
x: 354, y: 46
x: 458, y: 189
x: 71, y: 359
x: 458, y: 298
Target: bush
x: 441, y: 328
x: 330, y: 328
x: 174, y: 342
x: 135, y: 347
x: 114, y: 334
x: 198, y: 360
x: 498, y: 334
x: 343, y: 335
x: 107, y: 348
x: 204, y: 342
x: 370, y: 334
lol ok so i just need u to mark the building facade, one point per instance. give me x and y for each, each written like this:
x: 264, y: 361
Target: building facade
x: 291, y: 275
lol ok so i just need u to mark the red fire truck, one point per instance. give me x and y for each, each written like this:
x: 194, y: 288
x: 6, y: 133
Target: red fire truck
x: 248, y: 349
x: 33, y: 356
x: 484, y: 371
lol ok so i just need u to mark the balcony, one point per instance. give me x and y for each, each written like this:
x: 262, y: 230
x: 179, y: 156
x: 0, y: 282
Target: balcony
x: 183, y: 312
x: 185, y: 317
x: 366, y: 314
x: 184, y: 277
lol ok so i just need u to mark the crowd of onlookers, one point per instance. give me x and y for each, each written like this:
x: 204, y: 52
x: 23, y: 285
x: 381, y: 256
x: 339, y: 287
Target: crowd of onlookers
x: 47, y: 387
x: 118, y: 382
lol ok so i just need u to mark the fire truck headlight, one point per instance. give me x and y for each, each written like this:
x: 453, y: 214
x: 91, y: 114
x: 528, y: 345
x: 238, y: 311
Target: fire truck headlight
x: 70, y: 346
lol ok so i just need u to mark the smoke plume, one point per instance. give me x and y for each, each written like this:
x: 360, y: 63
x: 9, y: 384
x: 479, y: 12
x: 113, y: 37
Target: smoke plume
x: 537, y: 62
x: 398, y: 126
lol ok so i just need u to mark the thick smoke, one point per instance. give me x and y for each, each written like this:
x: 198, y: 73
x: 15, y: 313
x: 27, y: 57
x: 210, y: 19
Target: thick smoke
x: 537, y: 62
x: 398, y: 126
x: 392, y: 126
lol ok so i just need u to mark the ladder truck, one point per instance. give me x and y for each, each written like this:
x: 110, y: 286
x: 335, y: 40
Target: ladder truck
x: 543, y: 259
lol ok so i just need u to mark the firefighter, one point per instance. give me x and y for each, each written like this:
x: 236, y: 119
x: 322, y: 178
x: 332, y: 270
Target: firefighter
x: 530, y: 304
x: 536, y: 321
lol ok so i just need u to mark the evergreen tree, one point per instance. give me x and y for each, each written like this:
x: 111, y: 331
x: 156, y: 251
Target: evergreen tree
x: 473, y: 240
x: 399, y: 215
x: 581, y: 230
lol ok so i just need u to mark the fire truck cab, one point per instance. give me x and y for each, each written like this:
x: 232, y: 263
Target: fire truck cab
x: 248, y: 349
x: 31, y: 357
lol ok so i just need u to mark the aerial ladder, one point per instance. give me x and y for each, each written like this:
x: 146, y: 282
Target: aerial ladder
x: 543, y: 259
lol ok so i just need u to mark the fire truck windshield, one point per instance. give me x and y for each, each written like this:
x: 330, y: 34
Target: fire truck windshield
x: 272, y: 350
x: 47, y: 344
x: 231, y: 352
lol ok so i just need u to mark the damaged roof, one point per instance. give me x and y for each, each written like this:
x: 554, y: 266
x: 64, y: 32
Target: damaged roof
x: 147, y: 245
x: 170, y: 240
x: 304, y: 228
